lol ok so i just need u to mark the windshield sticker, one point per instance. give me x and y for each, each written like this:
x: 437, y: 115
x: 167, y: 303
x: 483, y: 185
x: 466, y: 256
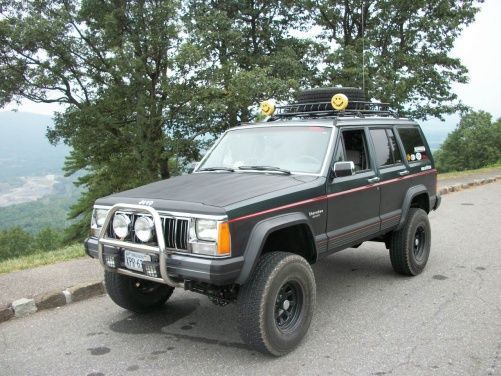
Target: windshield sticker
x: 419, y: 149
x: 413, y: 157
x: 418, y: 156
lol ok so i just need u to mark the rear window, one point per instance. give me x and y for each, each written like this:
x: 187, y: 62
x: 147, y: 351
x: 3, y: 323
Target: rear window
x: 414, y: 147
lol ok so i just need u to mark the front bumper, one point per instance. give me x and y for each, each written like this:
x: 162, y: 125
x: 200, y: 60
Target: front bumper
x: 213, y: 271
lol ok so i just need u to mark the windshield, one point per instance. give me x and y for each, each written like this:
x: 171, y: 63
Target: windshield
x: 295, y: 149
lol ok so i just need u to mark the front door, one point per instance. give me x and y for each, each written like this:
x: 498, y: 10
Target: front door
x: 353, y: 201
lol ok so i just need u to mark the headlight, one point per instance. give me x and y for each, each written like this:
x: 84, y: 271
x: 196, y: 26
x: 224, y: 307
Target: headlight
x: 143, y: 229
x: 121, y: 224
x: 210, y: 237
x: 100, y: 216
x: 206, y: 230
x: 97, y: 221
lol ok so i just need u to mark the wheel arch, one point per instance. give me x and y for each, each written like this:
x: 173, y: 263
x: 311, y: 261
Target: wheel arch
x: 265, y: 230
x: 416, y: 197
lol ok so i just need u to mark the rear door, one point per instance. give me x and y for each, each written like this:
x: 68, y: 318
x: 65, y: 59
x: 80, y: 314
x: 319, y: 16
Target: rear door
x: 392, y: 172
x: 353, y: 201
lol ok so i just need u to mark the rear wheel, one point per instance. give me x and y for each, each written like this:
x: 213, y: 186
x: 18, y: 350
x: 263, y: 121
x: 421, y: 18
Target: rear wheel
x: 276, y: 305
x: 410, y: 246
x: 136, y: 294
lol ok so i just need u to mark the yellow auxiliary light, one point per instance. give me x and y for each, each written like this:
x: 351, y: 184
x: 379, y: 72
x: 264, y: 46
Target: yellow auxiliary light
x: 267, y: 108
x: 339, y: 102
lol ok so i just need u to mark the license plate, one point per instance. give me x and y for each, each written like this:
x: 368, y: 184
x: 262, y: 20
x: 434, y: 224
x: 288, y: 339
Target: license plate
x: 134, y: 260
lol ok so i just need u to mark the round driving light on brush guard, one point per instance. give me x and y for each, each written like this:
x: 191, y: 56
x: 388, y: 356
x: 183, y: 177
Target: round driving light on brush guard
x: 144, y: 229
x: 339, y: 102
x: 121, y: 224
x: 267, y: 108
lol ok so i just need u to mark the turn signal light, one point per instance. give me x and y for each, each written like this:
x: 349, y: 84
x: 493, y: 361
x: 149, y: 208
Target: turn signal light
x: 224, y: 239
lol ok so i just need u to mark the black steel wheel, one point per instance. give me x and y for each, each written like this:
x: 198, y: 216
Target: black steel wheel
x: 410, y: 246
x: 135, y: 294
x: 276, y: 304
x: 288, y: 305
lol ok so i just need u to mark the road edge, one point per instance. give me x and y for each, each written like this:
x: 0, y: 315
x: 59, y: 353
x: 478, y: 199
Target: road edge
x: 52, y: 299
x: 471, y: 184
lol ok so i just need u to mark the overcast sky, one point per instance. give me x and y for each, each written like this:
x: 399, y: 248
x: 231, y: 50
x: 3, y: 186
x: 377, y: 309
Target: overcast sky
x: 478, y: 48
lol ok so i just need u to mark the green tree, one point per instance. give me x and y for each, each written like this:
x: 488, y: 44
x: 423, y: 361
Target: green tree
x: 48, y: 239
x: 109, y: 63
x: 15, y: 242
x: 407, y: 48
x: 245, y: 52
x: 473, y: 144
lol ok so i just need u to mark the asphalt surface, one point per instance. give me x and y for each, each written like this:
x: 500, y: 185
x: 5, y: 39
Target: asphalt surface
x: 368, y: 321
x: 31, y: 282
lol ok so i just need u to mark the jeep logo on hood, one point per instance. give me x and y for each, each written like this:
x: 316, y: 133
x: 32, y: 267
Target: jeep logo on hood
x: 146, y: 202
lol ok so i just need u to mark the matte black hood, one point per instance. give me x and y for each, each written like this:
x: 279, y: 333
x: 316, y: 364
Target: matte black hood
x: 218, y: 189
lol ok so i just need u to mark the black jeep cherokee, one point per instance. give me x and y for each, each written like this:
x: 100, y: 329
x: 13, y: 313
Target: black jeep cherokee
x: 267, y: 201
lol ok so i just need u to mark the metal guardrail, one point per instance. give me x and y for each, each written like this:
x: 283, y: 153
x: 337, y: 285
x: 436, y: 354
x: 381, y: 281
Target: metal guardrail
x: 160, y: 250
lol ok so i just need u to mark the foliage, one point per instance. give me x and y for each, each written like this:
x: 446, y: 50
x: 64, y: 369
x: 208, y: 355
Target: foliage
x: 407, y: 46
x: 473, y: 144
x: 16, y: 242
x: 147, y: 83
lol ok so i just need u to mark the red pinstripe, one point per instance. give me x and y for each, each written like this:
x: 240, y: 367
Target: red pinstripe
x: 332, y: 195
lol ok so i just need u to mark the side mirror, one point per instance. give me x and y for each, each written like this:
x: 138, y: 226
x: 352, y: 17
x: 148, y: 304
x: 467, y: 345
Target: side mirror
x: 341, y: 169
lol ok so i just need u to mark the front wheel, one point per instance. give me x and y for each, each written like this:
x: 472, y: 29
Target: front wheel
x: 410, y: 246
x: 135, y: 294
x: 275, y: 306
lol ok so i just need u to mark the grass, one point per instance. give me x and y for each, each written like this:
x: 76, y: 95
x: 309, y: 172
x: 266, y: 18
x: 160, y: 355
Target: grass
x: 42, y: 258
x: 458, y: 174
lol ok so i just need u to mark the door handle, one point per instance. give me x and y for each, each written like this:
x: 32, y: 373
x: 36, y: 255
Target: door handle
x: 403, y: 173
x: 374, y: 180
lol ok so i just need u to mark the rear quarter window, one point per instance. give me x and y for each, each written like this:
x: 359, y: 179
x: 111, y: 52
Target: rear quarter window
x: 414, y: 146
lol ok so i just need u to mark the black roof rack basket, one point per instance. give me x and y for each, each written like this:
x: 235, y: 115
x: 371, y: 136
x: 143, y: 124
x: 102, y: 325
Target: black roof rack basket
x: 321, y: 109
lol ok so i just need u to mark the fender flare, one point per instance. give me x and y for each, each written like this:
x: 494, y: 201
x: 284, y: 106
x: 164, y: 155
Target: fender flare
x: 411, y: 193
x: 259, y: 235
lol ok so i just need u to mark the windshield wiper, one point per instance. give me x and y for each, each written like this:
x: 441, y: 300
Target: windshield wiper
x: 217, y: 169
x: 265, y: 168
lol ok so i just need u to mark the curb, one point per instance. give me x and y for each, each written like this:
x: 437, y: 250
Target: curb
x: 459, y: 187
x: 53, y: 299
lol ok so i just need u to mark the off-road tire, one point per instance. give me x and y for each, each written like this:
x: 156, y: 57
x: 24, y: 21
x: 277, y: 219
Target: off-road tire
x: 407, y: 256
x: 136, y: 295
x: 259, y: 299
x: 325, y: 95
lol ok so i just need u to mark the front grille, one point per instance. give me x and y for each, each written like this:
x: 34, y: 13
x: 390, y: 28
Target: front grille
x: 176, y: 231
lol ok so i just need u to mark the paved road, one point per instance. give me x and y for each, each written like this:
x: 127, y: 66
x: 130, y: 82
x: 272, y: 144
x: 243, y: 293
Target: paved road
x: 369, y: 321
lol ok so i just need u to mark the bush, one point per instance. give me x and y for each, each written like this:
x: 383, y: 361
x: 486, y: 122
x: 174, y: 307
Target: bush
x: 17, y: 242
x: 473, y: 144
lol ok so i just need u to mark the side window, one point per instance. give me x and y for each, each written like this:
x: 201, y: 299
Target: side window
x: 384, y: 155
x: 414, y: 148
x: 387, y: 152
x: 397, y: 155
x: 355, y: 149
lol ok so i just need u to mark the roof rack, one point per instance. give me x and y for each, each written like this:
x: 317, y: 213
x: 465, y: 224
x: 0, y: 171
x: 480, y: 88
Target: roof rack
x: 318, y: 109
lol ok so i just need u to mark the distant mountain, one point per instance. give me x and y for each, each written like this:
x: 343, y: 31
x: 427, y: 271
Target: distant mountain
x: 24, y: 148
